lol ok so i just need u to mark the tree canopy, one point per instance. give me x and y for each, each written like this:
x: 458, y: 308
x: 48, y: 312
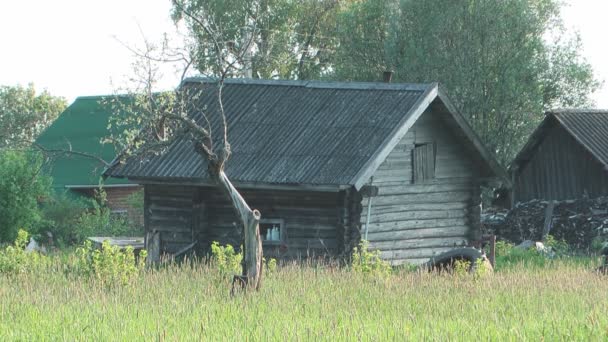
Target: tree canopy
x: 24, y: 113
x: 503, y: 62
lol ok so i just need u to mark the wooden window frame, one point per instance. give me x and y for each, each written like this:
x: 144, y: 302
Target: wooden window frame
x: 273, y: 221
x: 431, y: 163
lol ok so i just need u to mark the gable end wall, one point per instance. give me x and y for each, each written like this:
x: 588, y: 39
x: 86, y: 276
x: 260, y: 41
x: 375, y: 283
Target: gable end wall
x: 560, y: 169
x: 413, y: 222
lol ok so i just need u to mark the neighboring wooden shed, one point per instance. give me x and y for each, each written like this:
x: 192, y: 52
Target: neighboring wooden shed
x: 325, y: 163
x: 565, y: 158
x: 81, y: 128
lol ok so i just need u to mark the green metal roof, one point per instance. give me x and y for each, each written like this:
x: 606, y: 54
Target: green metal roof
x: 81, y: 126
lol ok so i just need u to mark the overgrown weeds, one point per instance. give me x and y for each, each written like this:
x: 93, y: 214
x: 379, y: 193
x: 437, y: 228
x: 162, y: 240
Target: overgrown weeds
x: 110, y: 265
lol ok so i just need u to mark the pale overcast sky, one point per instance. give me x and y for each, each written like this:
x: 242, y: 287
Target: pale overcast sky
x: 69, y: 46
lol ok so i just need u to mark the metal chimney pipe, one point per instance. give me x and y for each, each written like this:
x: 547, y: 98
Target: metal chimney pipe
x: 387, y: 76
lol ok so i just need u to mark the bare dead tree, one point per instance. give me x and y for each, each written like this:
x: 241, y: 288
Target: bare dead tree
x: 151, y: 121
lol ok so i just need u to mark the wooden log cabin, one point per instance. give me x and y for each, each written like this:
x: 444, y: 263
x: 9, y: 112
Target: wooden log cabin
x: 565, y: 158
x: 325, y: 163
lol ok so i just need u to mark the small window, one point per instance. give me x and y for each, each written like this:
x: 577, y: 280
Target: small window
x: 272, y: 231
x: 423, y: 162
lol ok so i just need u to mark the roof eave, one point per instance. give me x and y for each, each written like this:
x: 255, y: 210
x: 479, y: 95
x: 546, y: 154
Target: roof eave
x: 242, y: 185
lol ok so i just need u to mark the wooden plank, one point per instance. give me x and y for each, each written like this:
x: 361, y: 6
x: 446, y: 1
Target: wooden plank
x: 311, y: 234
x: 417, y: 224
x: 395, y: 208
x: 414, y: 253
x: 455, y: 241
x: 165, y: 208
x: 444, y: 197
x: 414, y: 215
x: 419, y: 233
x: 160, y: 219
x: 425, y: 188
x: 313, y: 243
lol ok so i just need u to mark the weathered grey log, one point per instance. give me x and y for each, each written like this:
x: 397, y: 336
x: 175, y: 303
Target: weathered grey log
x: 417, y: 242
x: 252, y: 264
x: 153, y: 247
x: 450, y: 231
x: 548, y: 219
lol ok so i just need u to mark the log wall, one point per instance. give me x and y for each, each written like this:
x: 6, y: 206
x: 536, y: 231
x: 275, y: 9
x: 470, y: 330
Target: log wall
x: 411, y: 222
x: 560, y: 169
x: 169, y: 210
x: 315, y: 222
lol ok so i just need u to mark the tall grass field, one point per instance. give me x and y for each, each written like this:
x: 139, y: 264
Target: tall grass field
x: 558, y: 301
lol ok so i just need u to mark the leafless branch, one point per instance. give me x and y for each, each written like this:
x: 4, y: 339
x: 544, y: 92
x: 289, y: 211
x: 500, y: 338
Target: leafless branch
x: 70, y: 151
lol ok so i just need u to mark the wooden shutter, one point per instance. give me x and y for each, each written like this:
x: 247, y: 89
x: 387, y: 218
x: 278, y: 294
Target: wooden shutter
x: 423, y: 162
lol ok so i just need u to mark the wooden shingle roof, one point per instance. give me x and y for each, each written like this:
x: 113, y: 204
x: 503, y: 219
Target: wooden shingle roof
x: 589, y: 127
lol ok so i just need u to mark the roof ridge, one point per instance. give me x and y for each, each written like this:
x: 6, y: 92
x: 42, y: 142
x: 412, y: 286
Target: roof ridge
x: 317, y: 84
x: 560, y: 111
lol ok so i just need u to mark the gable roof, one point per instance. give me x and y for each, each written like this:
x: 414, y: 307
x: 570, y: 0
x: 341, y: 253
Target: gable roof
x: 299, y: 132
x: 80, y: 128
x: 589, y: 127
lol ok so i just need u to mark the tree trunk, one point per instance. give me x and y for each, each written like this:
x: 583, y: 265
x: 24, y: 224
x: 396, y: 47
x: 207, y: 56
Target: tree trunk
x: 252, y: 266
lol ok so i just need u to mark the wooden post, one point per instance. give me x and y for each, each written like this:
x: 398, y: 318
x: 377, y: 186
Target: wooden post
x: 548, y: 220
x: 153, y: 246
x: 492, y: 258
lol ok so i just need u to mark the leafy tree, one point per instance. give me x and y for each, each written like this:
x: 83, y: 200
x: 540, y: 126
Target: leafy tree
x: 493, y: 57
x: 21, y: 187
x: 25, y: 113
x: 289, y: 39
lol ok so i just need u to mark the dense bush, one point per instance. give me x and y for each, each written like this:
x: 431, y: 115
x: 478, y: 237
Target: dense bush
x: 21, y: 187
x: 72, y: 220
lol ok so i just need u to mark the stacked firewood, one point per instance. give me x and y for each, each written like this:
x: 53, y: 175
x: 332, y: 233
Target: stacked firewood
x: 577, y: 222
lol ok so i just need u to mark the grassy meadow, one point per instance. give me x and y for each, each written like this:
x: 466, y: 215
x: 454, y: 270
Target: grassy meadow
x: 560, y: 301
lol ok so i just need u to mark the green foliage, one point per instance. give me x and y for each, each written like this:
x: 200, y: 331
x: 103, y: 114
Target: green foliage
x: 369, y: 262
x: 72, y: 221
x: 462, y: 267
x: 186, y: 302
x: 289, y: 39
x: 25, y: 113
x: 481, y: 268
x: 137, y: 119
x: 494, y: 58
x: 559, y: 247
x: 61, y: 215
x: 271, y: 265
x: 527, y: 257
x: 21, y: 187
x: 508, y: 257
x: 136, y: 201
x: 109, y: 265
x: 599, y: 243
x: 15, y: 260
x: 225, y: 258
x: 503, y: 248
x: 99, y: 221
x: 502, y: 62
